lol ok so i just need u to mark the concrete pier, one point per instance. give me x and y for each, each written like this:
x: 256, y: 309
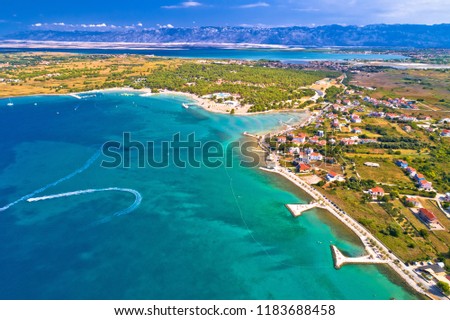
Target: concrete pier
x: 297, y: 209
x: 372, y: 245
x: 340, y: 259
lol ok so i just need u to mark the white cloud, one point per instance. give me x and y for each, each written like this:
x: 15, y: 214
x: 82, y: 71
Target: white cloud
x: 100, y: 25
x: 306, y: 9
x: 69, y: 25
x: 421, y: 11
x: 254, y: 5
x: 359, y: 12
x: 187, y: 4
x: 140, y: 24
x: 165, y: 26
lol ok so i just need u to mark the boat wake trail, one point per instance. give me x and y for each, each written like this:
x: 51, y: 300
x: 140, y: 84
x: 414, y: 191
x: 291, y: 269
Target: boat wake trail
x: 53, y: 184
x: 31, y: 196
x: 136, y: 203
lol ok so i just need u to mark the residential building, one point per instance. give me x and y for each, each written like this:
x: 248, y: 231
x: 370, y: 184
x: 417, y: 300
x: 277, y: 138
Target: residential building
x: 300, y: 138
x: 411, y: 171
x: 303, y: 167
x: 427, y: 216
x: 355, y: 118
x: 419, y: 177
x: 401, y: 163
x: 372, y: 164
x: 425, y: 185
x: 332, y: 176
x: 392, y: 116
x: 413, y: 201
x: 315, y: 156
x: 314, y: 140
x: 445, y: 133
x: 376, y: 192
x: 357, y: 130
x: 406, y: 118
x: 447, y: 197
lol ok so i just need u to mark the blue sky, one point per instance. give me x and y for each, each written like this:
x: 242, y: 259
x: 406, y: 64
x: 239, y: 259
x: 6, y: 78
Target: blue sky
x: 19, y: 14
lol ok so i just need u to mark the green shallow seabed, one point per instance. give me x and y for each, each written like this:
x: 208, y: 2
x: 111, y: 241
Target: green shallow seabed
x: 199, y: 233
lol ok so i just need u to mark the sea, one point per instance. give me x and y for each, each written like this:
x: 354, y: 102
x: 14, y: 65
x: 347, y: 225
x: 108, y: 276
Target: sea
x: 72, y: 228
x: 293, y: 56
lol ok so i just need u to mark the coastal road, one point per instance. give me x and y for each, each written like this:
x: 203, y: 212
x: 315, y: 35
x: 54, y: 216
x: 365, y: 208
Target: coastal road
x: 378, y: 249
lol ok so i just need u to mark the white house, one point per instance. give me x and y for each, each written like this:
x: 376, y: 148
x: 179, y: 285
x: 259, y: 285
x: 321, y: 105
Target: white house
x: 445, y: 133
x: 376, y: 192
x: 332, y: 176
x: 315, y: 156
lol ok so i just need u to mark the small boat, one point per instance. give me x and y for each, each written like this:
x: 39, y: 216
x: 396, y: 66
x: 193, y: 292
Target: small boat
x: 185, y: 105
x: 10, y: 104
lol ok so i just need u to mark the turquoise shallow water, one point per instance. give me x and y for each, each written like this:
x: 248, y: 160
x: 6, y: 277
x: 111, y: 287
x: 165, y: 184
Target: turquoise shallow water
x: 291, y: 56
x: 197, y: 234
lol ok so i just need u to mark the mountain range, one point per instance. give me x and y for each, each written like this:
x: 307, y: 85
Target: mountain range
x: 379, y: 35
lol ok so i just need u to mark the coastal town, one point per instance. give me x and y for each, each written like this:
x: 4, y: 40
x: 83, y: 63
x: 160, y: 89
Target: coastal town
x: 374, y: 157
x: 240, y: 159
x: 365, y: 160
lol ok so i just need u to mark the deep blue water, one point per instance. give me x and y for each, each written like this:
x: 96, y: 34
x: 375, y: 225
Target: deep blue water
x: 199, y: 233
x: 291, y: 56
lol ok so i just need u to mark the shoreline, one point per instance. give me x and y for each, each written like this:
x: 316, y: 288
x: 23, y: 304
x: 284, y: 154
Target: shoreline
x: 411, y: 279
x: 346, y: 220
x: 204, y: 103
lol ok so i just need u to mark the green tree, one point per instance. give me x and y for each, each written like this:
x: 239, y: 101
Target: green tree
x: 393, y: 231
x: 424, y: 233
x: 444, y: 286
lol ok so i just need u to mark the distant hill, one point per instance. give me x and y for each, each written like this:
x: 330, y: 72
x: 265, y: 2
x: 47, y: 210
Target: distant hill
x: 401, y: 35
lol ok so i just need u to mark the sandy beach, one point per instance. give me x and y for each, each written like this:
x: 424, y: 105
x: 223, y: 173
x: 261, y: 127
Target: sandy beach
x: 212, y: 106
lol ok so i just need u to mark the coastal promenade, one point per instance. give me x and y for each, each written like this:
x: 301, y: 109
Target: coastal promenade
x: 372, y: 245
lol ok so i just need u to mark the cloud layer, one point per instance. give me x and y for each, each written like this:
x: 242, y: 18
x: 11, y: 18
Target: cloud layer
x: 254, y: 5
x: 183, y: 5
x: 103, y: 14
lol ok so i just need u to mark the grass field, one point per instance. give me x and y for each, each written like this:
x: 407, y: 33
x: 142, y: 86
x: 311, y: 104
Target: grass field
x: 256, y: 86
x: 388, y: 172
x: 41, y: 73
x: 376, y: 219
x: 431, y: 86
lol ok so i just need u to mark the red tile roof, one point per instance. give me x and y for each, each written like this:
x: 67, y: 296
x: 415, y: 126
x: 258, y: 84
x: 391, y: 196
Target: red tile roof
x: 304, y: 167
x: 427, y: 213
x: 377, y: 190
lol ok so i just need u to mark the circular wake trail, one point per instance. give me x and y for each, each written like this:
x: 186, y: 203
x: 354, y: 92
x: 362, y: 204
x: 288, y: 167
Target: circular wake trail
x: 136, y: 203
